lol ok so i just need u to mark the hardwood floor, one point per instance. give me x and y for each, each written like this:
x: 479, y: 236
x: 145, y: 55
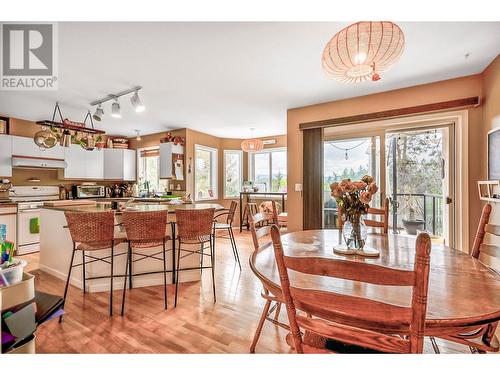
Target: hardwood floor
x: 197, y: 325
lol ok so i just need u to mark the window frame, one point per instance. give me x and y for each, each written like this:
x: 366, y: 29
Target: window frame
x: 141, y: 164
x: 251, y: 171
x: 240, y: 154
x: 214, y: 160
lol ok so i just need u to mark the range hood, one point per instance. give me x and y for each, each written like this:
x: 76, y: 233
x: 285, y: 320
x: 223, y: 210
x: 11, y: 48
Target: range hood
x: 31, y: 162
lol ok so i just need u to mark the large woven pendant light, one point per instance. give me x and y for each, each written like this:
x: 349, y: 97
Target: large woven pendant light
x: 252, y: 144
x: 362, y: 51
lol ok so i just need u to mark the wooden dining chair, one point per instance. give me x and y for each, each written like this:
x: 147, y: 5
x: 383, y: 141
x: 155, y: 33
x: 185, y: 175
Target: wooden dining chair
x: 383, y: 212
x: 258, y: 233
x: 380, y: 326
x: 481, y: 339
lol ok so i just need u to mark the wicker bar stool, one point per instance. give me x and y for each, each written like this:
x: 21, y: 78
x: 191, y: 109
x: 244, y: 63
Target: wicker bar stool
x: 146, y: 230
x: 228, y: 225
x: 195, y: 227
x: 91, y: 231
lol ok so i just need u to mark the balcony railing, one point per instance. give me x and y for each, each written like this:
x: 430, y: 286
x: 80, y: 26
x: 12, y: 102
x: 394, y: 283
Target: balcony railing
x: 432, y: 212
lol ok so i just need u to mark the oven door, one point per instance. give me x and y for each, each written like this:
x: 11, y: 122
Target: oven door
x: 28, y: 231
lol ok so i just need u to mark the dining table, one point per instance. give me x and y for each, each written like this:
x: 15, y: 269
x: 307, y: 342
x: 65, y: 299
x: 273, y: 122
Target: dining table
x: 463, y: 295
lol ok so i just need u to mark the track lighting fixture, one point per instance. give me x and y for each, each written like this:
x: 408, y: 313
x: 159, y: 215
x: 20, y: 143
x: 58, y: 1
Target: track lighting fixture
x: 99, y: 112
x: 135, y: 100
x: 115, y: 109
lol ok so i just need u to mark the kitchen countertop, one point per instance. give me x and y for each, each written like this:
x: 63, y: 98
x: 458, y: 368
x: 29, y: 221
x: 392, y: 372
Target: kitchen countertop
x: 137, y: 207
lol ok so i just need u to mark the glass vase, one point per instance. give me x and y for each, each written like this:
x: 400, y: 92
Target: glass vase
x: 354, y: 232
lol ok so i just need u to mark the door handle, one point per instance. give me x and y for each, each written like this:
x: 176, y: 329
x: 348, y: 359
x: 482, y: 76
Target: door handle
x: 448, y: 200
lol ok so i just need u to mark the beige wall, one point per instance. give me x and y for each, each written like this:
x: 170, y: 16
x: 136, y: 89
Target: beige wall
x: 407, y: 97
x: 491, y: 120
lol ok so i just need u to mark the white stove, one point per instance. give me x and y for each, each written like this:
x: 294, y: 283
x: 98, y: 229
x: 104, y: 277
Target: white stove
x: 29, y: 200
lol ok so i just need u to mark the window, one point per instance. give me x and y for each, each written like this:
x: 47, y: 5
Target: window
x: 233, y: 173
x: 268, y: 170
x: 205, y: 173
x: 148, y: 168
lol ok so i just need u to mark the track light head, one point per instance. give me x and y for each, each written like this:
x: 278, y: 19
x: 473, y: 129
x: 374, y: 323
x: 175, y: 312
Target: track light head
x: 136, y: 102
x: 99, y: 112
x: 115, y: 109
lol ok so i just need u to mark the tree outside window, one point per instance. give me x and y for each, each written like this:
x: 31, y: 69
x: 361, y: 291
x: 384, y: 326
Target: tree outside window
x: 205, y: 173
x: 233, y: 173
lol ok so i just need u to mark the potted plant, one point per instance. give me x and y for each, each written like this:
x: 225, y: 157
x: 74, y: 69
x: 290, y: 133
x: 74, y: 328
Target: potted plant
x: 412, y: 208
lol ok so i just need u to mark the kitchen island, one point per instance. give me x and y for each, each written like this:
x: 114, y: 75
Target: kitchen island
x: 56, y: 248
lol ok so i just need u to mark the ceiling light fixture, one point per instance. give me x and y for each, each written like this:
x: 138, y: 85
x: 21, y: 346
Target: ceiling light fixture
x: 136, y: 102
x: 115, y: 109
x: 138, y: 135
x: 99, y: 112
x: 252, y: 144
x: 362, y: 51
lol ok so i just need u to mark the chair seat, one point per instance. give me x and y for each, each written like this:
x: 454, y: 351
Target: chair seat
x: 222, y: 226
x: 194, y: 240
x: 98, y: 245
x: 313, y: 343
x: 148, y: 243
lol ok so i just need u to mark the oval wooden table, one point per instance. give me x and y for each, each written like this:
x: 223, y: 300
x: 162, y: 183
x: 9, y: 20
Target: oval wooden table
x: 463, y: 293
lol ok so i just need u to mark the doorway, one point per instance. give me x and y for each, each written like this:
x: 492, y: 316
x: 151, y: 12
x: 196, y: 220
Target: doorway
x: 415, y: 171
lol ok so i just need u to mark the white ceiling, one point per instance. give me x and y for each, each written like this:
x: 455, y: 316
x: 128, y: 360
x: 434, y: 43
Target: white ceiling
x: 224, y: 78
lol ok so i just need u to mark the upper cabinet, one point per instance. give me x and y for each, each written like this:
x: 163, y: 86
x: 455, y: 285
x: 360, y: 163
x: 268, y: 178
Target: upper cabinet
x: 171, y: 161
x: 83, y: 164
x: 25, y: 146
x: 119, y: 164
x: 5, y: 156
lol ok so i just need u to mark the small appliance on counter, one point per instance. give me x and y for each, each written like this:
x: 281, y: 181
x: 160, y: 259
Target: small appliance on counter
x: 5, y: 186
x: 115, y: 191
x: 120, y: 191
x: 88, y: 191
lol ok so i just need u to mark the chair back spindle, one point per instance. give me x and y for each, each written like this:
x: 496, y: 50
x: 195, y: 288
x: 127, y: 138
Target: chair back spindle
x: 485, y: 228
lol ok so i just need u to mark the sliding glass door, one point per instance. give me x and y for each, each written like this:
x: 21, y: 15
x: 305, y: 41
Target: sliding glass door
x: 415, y: 171
x: 348, y: 158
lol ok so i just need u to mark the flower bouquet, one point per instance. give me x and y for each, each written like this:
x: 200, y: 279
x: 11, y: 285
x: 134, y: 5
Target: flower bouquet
x: 353, y: 198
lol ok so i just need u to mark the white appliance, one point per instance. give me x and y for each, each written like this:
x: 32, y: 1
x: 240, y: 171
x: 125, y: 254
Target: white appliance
x: 29, y: 200
x: 8, y: 217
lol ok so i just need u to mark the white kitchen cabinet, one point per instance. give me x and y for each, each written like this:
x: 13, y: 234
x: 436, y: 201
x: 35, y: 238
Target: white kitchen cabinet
x: 25, y: 146
x: 94, y: 164
x: 83, y: 163
x: 5, y: 156
x: 167, y: 150
x: 119, y: 164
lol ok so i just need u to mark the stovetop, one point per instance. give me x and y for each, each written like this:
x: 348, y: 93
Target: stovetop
x: 34, y: 193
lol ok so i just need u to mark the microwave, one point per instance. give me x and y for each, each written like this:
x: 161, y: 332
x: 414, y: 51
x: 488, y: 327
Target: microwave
x: 88, y: 191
